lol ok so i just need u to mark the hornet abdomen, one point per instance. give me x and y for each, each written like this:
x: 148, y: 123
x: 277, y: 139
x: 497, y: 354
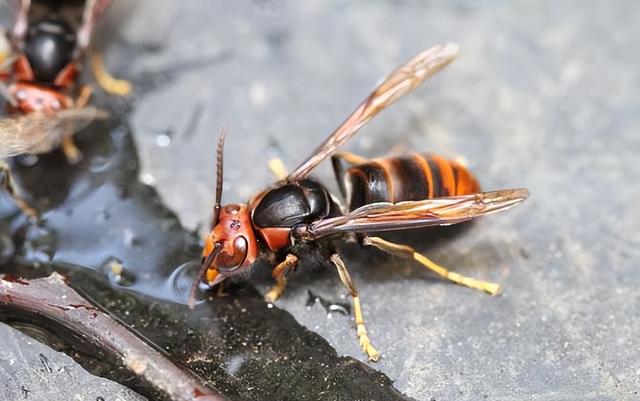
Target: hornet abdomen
x: 407, y: 178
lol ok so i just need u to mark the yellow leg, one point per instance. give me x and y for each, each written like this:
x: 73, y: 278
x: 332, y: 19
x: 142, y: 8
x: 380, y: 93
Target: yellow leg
x: 406, y: 251
x: 107, y: 81
x: 70, y: 150
x: 83, y: 97
x: 279, y: 274
x: 365, y: 343
x: 12, y: 189
x: 278, y: 169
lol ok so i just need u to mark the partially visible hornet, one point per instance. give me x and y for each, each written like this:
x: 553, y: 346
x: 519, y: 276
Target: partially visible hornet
x: 40, y: 61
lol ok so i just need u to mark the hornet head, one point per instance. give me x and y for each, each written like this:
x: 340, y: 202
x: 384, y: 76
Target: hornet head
x: 230, y: 248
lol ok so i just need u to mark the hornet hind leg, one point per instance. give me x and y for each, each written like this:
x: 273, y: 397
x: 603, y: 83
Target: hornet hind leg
x: 365, y: 343
x: 108, y: 82
x: 405, y: 251
x: 6, y: 181
x: 69, y: 148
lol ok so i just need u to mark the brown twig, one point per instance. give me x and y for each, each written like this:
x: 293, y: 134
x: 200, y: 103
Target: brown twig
x: 52, y: 298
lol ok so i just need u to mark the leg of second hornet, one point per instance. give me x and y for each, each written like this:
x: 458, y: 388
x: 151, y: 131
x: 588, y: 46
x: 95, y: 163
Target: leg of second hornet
x: 11, y: 188
x: 365, y: 342
x: 278, y: 169
x: 405, y: 251
x: 69, y: 148
x: 279, y: 274
x: 107, y: 81
x: 83, y: 97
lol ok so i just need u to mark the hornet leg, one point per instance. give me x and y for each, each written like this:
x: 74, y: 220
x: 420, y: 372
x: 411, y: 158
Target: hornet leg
x: 69, y: 148
x: 278, y: 169
x: 106, y: 81
x: 11, y: 188
x: 279, y: 274
x: 83, y: 98
x: 405, y: 251
x: 365, y: 342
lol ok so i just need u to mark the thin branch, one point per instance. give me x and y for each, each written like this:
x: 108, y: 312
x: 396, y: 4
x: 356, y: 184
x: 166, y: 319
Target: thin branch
x: 52, y: 298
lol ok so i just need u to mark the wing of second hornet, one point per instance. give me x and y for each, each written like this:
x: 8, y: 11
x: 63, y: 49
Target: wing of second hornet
x: 20, y: 21
x: 416, y: 214
x: 38, y: 133
x: 400, y: 82
x: 93, y: 9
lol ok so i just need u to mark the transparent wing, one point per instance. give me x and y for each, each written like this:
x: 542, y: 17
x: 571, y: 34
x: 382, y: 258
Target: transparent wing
x: 415, y: 214
x: 93, y: 9
x: 397, y: 84
x: 21, y: 19
x: 5, y: 52
x: 38, y: 133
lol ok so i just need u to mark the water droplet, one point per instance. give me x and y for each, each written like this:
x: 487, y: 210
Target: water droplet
x: 148, y: 179
x: 163, y: 140
x: 129, y: 238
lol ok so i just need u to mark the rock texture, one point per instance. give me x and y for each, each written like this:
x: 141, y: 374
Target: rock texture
x: 30, y: 370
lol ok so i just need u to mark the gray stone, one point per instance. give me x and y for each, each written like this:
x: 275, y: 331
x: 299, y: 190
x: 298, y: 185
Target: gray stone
x: 30, y: 370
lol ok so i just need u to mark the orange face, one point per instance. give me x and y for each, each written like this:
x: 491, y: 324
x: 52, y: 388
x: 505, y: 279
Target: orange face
x: 233, y: 240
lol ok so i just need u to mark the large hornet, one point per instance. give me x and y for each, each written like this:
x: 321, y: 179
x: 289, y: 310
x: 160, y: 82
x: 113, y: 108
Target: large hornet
x: 40, y: 61
x: 298, y: 214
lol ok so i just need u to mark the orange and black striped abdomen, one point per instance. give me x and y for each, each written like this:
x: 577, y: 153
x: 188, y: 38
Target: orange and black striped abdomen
x: 407, y: 178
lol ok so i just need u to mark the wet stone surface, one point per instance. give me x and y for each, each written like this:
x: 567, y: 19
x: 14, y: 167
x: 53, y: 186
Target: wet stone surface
x: 542, y: 96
